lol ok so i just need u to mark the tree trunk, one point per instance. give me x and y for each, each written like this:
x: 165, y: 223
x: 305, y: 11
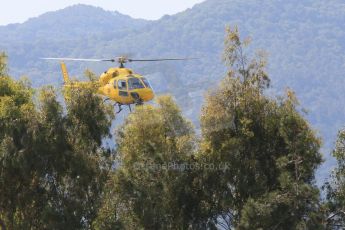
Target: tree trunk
x: 2, y: 225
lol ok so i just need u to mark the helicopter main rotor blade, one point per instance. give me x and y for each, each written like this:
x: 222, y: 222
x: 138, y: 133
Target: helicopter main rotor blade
x: 80, y: 59
x: 161, y: 59
x: 120, y: 59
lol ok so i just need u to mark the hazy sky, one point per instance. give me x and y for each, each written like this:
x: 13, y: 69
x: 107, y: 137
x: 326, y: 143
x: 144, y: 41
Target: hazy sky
x: 13, y: 11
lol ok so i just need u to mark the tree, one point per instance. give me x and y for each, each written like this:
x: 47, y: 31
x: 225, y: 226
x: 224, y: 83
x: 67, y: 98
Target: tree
x: 3, y: 64
x: 16, y: 109
x: 269, y: 148
x: 151, y: 189
x: 335, y: 188
x: 253, y: 167
x: 52, y: 164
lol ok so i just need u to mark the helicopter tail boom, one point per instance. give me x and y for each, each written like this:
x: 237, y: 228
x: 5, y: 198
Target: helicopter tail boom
x: 64, y: 72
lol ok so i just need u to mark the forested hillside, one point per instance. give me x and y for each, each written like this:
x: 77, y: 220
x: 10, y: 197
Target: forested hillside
x: 303, y: 39
x: 252, y: 167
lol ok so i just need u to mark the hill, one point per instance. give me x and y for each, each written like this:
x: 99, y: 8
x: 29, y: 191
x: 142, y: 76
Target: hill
x: 304, y: 40
x: 73, y: 22
x: 61, y: 33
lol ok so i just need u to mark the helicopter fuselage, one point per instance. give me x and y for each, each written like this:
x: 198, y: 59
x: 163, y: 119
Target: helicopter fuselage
x: 124, y: 86
x: 118, y: 84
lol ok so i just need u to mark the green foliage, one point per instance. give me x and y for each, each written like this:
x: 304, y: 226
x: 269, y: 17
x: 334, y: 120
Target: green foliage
x: 52, y: 165
x: 283, y: 210
x: 91, y: 75
x: 335, y: 187
x: 3, y: 64
x: 269, y: 150
x: 147, y: 191
x: 54, y: 172
x: 268, y: 146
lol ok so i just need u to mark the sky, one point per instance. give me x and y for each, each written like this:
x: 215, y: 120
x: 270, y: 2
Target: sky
x: 18, y: 11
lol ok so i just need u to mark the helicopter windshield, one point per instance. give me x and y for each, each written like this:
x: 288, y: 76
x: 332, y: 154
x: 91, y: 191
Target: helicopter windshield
x: 146, y: 82
x: 135, y: 83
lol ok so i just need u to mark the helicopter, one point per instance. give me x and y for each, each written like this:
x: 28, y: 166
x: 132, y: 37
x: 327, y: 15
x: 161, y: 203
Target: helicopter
x: 119, y: 84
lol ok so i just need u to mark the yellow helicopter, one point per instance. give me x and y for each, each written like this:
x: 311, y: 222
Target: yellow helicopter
x: 118, y: 84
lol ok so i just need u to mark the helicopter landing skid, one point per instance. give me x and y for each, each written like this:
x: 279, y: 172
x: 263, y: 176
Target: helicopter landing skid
x: 120, y: 108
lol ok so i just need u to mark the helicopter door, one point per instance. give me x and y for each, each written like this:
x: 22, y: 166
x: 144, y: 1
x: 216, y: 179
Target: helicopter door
x: 122, y: 85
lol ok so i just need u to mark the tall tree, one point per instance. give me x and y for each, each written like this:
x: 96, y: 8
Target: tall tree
x: 269, y: 148
x: 151, y: 189
x: 16, y: 110
x: 3, y: 64
x: 52, y: 164
x: 335, y: 187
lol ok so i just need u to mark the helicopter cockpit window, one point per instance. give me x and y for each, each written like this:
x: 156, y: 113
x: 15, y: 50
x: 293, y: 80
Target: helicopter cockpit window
x: 135, y: 83
x: 122, y: 85
x: 146, y: 82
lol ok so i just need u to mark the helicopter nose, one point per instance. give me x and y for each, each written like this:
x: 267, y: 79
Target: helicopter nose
x: 147, y: 94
